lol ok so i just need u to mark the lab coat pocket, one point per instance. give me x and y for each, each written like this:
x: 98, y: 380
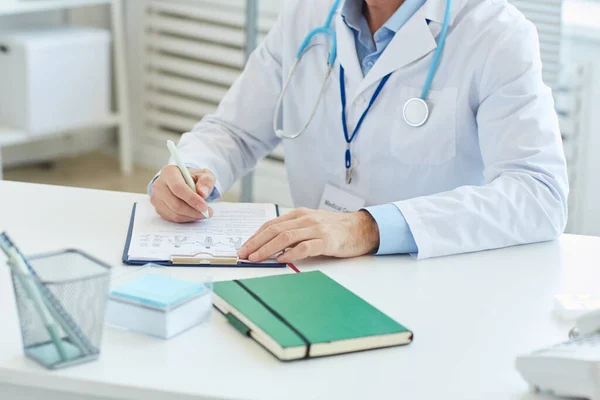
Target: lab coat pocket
x: 433, y: 143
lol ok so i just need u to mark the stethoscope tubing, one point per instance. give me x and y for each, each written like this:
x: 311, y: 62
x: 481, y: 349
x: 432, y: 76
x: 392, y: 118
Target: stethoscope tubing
x: 327, y: 31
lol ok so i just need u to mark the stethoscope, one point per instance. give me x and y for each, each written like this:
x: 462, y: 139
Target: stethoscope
x: 415, y: 110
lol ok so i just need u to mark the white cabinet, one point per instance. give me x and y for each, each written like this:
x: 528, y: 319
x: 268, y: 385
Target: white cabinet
x: 12, y: 136
x: 54, y: 79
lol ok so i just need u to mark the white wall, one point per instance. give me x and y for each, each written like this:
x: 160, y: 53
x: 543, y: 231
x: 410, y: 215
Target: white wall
x: 585, y: 188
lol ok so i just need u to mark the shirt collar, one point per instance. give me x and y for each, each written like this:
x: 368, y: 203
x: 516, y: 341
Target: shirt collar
x: 352, y: 14
x: 400, y: 17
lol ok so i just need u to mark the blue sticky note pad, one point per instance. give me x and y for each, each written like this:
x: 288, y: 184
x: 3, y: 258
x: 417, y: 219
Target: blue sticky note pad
x: 158, y: 291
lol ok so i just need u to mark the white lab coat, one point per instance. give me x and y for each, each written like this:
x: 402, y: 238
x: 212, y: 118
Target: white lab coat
x: 486, y: 171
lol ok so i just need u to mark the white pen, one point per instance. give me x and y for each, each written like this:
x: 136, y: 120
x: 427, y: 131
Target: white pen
x: 184, y: 171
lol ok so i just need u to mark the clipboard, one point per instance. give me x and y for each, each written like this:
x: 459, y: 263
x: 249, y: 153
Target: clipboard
x: 191, y: 260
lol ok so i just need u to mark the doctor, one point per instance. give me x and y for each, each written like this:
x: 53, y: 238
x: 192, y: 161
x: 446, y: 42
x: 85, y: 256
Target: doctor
x: 434, y: 127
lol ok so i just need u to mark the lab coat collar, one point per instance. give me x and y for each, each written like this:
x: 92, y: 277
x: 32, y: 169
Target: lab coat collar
x: 352, y: 13
x: 435, y: 9
x: 347, y: 49
x: 413, y: 41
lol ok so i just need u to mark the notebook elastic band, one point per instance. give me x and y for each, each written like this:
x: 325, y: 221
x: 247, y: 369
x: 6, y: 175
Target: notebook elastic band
x: 278, y: 316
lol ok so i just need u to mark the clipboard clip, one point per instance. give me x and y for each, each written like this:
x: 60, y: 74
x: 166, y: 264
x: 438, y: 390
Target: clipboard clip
x: 204, y: 258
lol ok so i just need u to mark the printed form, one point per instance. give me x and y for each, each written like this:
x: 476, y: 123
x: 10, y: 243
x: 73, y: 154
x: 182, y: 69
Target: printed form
x: 220, y: 236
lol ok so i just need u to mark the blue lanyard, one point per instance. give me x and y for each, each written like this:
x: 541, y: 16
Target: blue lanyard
x: 349, y: 138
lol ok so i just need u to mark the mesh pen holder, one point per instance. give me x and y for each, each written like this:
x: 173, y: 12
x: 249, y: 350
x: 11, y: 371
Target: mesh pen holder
x: 74, y: 288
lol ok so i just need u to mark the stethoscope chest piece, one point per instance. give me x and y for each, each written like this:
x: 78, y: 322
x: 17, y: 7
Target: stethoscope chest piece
x: 415, y: 112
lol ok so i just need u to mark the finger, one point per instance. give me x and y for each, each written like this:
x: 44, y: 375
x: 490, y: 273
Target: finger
x: 283, y: 241
x: 161, y: 196
x: 178, y: 187
x: 309, y: 248
x: 296, y: 214
x: 205, y: 182
x: 180, y: 207
x: 159, y: 191
x: 169, y: 215
x: 267, y: 234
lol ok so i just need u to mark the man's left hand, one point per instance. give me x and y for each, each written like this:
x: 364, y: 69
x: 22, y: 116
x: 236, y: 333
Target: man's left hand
x: 309, y: 233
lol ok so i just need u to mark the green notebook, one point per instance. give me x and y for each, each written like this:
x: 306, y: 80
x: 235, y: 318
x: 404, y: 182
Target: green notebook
x: 306, y: 315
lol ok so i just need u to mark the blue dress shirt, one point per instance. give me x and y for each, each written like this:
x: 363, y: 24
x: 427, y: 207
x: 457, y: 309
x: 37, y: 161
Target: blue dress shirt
x: 395, y: 236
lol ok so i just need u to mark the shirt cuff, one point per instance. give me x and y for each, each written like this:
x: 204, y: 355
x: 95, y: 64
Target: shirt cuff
x: 395, y: 236
x: 214, y: 195
x: 149, y: 188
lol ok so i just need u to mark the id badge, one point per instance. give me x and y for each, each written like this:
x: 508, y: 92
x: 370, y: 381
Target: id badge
x: 336, y: 199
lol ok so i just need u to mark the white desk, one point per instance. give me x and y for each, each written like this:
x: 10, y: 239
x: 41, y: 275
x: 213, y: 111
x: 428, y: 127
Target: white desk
x: 471, y: 314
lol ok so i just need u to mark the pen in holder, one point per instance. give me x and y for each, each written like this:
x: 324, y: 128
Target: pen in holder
x: 61, y: 300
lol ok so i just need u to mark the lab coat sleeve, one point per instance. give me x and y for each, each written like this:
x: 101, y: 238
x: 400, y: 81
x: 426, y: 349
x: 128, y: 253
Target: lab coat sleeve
x: 231, y: 141
x: 524, y: 199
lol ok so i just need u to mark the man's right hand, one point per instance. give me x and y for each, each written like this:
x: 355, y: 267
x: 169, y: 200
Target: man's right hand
x: 175, y: 201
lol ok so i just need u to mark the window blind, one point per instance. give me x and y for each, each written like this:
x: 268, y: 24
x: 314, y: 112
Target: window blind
x: 546, y: 15
x: 193, y: 52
